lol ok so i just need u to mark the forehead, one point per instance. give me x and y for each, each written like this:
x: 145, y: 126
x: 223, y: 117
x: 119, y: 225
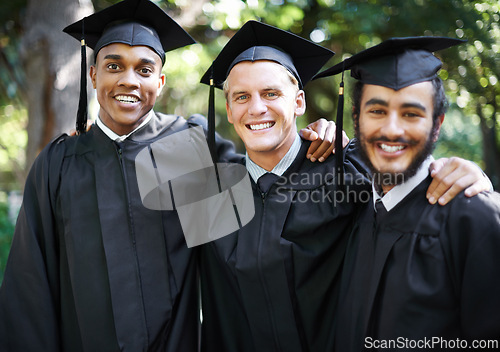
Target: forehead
x: 261, y: 73
x: 422, y: 93
x: 129, y: 52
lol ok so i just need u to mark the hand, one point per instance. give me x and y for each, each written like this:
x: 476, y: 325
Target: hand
x: 451, y: 176
x: 322, y: 135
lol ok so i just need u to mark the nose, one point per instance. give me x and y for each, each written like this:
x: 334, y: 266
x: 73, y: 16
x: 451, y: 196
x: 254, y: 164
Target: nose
x: 393, y: 126
x: 129, y: 79
x: 257, y: 106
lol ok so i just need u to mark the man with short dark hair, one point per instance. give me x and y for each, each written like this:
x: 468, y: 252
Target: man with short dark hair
x: 91, y: 268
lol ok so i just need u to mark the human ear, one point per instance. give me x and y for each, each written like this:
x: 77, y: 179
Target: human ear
x: 92, y: 74
x: 161, y: 84
x: 438, y: 128
x: 300, y: 103
x: 229, y: 113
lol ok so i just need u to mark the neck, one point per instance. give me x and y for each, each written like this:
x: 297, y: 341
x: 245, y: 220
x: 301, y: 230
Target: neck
x: 387, y: 188
x: 266, y: 160
x: 269, y: 159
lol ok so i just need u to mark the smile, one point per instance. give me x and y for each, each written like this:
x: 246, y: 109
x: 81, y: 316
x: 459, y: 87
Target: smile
x: 261, y: 126
x: 127, y: 99
x: 391, y: 148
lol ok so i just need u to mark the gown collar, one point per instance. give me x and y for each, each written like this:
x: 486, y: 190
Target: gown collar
x: 399, y: 192
x: 256, y: 171
x: 117, y: 138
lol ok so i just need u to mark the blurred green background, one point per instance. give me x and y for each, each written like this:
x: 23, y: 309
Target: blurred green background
x: 39, y: 70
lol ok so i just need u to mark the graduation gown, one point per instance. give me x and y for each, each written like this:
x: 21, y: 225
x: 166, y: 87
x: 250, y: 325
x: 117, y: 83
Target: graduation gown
x: 92, y: 269
x: 422, y: 271
x: 273, y: 285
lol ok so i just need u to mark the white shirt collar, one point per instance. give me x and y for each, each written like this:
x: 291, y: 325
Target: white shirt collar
x: 115, y: 137
x: 399, y: 192
x: 256, y: 171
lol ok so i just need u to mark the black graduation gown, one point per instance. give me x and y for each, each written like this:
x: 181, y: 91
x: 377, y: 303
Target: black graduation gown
x: 422, y: 271
x: 273, y: 285
x: 92, y: 269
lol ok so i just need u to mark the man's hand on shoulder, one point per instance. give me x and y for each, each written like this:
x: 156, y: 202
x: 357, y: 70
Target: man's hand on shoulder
x: 453, y: 175
x: 321, y: 133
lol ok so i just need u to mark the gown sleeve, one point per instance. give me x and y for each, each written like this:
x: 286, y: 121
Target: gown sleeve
x: 30, y: 290
x: 473, y: 253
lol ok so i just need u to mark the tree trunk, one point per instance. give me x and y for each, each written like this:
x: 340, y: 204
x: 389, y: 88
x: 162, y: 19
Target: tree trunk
x: 491, y: 151
x: 51, y: 60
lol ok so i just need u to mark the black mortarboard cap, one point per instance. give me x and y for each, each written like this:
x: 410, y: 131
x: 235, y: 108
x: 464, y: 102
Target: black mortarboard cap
x: 395, y: 63
x: 258, y: 41
x: 132, y: 22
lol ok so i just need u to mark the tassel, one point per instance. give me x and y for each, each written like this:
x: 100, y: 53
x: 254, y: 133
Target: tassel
x: 211, y: 128
x: 81, y: 115
x: 211, y: 119
x: 339, y: 154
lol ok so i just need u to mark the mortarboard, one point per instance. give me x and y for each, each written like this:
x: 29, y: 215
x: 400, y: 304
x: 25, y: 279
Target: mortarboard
x: 395, y: 63
x: 132, y: 22
x: 258, y: 41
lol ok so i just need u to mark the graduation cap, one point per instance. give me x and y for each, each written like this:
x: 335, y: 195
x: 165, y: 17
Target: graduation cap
x: 258, y: 41
x: 132, y: 22
x: 395, y: 63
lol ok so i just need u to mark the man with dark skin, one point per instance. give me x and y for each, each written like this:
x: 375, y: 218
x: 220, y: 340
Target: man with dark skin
x: 90, y: 268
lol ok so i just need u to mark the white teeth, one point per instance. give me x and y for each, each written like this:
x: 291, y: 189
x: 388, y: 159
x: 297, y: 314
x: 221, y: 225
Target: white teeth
x: 391, y: 148
x: 261, y: 126
x: 126, y: 99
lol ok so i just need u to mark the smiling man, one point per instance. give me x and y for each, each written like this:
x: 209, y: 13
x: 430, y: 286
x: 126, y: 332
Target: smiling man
x: 262, y: 105
x: 91, y: 268
x: 127, y: 80
x: 396, y: 149
x: 416, y: 275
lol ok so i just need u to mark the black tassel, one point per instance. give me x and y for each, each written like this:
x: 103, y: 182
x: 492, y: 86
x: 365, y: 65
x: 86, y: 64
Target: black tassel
x: 81, y: 115
x: 211, y: 119
x: 339, y: 154
x: 211, y: 128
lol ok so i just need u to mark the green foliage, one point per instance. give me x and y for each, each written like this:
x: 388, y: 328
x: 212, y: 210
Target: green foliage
x: 13, y: 141
x: 6, y: 232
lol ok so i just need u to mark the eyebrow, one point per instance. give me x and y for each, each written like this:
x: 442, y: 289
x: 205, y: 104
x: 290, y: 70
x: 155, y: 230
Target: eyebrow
x: 268, y: 89
x: 235, y: 94
x: 112, y: 57
x: 119, y: 57
x: 148, y: 61
x: 377, y: 101
x: 414, y: 105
